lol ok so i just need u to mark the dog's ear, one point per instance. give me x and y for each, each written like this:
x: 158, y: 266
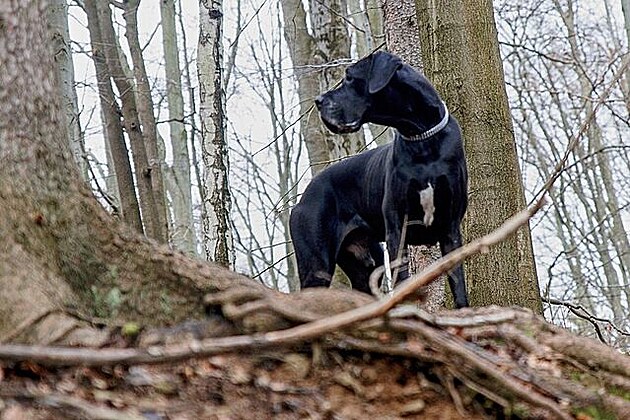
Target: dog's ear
x: 382, y: 69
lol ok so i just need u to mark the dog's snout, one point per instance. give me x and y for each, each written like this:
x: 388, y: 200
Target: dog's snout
x: 318, y: 101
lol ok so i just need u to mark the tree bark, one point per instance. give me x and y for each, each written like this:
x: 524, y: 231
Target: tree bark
x: 131, y: 123
x: 460, y: 39
x: 113, y: 133
x: 144, y: 103
x: 217, y: 233
x: 58, y: 25
x: 183, y: 229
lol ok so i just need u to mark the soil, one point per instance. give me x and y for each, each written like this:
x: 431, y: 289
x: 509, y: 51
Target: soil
x: 264, y: 386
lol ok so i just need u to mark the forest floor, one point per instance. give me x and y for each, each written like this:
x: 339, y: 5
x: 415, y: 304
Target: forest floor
x: 334, y: 385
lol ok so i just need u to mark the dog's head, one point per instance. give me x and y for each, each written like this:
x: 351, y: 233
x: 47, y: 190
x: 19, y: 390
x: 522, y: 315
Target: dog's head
x: 343, y: 110
x: 382, y: 90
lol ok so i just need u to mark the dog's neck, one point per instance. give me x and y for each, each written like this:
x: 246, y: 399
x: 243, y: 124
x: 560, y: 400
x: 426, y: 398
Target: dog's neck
x: 433, y: 130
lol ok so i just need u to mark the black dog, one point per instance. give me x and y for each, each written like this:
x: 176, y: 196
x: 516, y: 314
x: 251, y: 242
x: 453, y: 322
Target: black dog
x: 421, y: 177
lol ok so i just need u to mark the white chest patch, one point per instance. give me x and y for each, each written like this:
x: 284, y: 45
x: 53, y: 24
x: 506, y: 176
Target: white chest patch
x: 426, y: 200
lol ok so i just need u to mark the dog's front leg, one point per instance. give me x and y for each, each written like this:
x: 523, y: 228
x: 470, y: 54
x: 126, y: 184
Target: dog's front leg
x: 456, y: 281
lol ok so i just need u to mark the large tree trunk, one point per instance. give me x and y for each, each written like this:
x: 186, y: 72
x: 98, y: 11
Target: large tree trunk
x: 217, y: 228
x: 462, y: 58
x: 59, y: 247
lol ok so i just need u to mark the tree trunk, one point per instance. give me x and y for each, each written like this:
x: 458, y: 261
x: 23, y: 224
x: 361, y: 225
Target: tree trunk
x: 113, y: 133
x: 192, y: 139
x: 144, y: 103
x: 403, y: 37
x: 460, y: 41
x: 57, y: 15
x: 314, y: 56
x: 217, y: 233
x: 183, y: 229
x: 360, y: 28
x: 625, y: 8
x: 59, y: 247
x: 131, y: 122
x: 301, y: 46
x: 332, y: 43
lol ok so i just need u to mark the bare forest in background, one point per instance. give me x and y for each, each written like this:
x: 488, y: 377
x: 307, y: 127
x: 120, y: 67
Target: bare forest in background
x: 559, y: 57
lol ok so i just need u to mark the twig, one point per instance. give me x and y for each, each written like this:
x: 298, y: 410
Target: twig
x: 446, y: 378
x: 559, y: 168
x: 593, y: 319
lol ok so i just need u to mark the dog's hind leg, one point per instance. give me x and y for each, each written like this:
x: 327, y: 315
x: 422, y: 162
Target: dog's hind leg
x: 314, y: 251
x: 357, y: 258
x: 356, y: 271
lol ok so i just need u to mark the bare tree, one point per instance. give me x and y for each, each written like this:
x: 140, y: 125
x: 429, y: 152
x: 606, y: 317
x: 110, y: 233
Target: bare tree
x: 178, y: 176
x: 217, y: 232
x: 131, y: 122
x: 581, y: 241
x: 113, y: 129
x: 144, y: 106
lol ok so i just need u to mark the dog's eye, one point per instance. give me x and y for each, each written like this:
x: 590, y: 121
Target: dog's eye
x: 349, y: 78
